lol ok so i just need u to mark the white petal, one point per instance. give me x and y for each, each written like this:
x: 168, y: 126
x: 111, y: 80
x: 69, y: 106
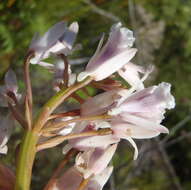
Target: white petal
x: 163, y: 92
x: 4, y: 149
x: 124, y: 35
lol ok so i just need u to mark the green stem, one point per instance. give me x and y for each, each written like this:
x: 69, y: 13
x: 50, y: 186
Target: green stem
x: 25, y: 161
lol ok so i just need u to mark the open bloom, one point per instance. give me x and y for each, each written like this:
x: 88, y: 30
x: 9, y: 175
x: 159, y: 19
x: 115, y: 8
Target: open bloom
x: 134, y: 115
x: 112, y: 56
x: 139, y: 115
x: 72, y: 179
x: 58, y: 39
x: 9, y: 91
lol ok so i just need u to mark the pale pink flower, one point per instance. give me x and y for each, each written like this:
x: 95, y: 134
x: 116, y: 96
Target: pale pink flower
x: 131, y: 73
x: 139, y: 115
x: 72, y: 179
x: 9, y: 91
x: 135, y: 115
x: 112, y: 56
x: 58, y: 39
x: 94, y: 161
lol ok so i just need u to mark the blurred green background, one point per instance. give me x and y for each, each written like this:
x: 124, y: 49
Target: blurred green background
x: 163, y: 38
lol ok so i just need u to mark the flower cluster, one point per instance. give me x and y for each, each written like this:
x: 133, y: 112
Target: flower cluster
x: 97, y: 127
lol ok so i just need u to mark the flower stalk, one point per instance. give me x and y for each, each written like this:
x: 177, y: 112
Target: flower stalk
x: 26, y: 160
x: 28, y: 98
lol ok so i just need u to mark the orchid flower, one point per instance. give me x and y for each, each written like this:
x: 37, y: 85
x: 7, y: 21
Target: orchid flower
x: 57, y: 40
x: 112, y: 56
x: 72, y: 179
x: 135, y: 115
x: 139, y: 116
x: 9, y: 91
x: 94, y: 161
